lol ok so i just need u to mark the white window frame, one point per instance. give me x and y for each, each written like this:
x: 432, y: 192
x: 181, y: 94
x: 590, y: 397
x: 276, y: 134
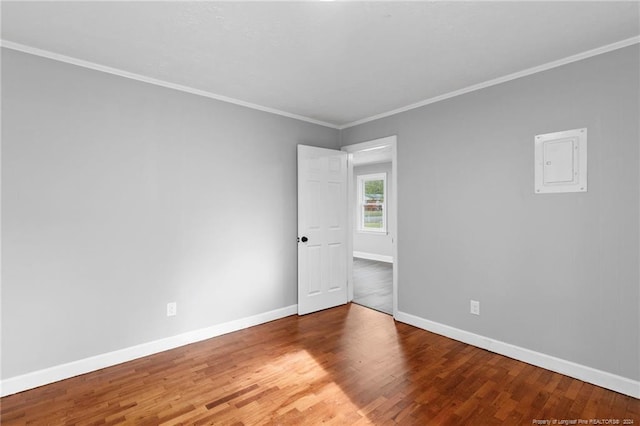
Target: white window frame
x: 361, y: 181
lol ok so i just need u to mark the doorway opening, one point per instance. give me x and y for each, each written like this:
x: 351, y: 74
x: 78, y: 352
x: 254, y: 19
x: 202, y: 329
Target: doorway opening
x: 371, y: 245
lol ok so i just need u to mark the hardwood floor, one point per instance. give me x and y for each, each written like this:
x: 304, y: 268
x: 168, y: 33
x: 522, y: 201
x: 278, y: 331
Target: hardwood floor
x: 347, y: 365
x: 373, y: 284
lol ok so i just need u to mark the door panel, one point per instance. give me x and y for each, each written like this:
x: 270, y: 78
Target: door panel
x: 322, y: 221
x: 336, y: 261
x: 314, y: 270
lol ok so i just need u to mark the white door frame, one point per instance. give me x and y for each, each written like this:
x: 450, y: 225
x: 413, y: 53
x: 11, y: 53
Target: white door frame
x: 392, y: 224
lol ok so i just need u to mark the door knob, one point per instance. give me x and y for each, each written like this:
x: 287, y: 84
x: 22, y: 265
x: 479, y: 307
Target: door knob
x: 304, y: 239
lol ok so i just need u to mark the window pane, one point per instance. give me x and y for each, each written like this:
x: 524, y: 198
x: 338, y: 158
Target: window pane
x: 373, y: 202
x: 374, y: 190
x: 373, y: 217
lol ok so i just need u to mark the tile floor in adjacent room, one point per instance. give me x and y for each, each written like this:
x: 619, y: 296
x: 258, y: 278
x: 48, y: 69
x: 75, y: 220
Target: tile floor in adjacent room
x: 373, y: 284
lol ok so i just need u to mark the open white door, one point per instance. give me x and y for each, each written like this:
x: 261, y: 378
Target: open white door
x: 322, y: 228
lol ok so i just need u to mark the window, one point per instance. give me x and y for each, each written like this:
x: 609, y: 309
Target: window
x: 372, y: 203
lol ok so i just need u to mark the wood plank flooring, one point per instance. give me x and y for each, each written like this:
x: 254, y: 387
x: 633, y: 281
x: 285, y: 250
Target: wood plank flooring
x: 373, y: 284
x: 346, y: 366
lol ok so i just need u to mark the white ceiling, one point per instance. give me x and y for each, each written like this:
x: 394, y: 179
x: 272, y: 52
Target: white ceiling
x: 335, y: 62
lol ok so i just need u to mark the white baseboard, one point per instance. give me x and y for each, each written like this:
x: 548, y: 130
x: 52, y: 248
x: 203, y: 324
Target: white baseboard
x: 373, y: 256
x: 60, y: 372
x: 587, y: 374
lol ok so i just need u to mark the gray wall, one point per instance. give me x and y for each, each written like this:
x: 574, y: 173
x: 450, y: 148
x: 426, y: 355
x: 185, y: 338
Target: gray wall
x: 120, y: 196
x: 369, y: 242
x: 554, y: 273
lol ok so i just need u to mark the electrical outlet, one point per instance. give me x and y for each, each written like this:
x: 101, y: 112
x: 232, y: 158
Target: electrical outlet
x: 475, y: 307
x: 172, y: 309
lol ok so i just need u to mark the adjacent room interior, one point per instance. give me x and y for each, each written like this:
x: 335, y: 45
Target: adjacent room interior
x: 373, y: 243
x: 488, y: 270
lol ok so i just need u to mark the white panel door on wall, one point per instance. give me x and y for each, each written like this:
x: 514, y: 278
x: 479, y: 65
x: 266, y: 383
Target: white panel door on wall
x: 322, y: 228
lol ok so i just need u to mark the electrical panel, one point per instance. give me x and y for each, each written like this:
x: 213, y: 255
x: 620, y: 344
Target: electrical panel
x: 561, y: 162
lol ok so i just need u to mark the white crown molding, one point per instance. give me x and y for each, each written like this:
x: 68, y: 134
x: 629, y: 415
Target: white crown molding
x: 540, y: 68
x: 499, y: 80
x: 601, y: 378
x: 133, y: 76
x: 60, y: 372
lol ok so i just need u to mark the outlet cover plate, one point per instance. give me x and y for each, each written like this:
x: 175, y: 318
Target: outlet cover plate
x: 475, y: 307
x: 172, y: 309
